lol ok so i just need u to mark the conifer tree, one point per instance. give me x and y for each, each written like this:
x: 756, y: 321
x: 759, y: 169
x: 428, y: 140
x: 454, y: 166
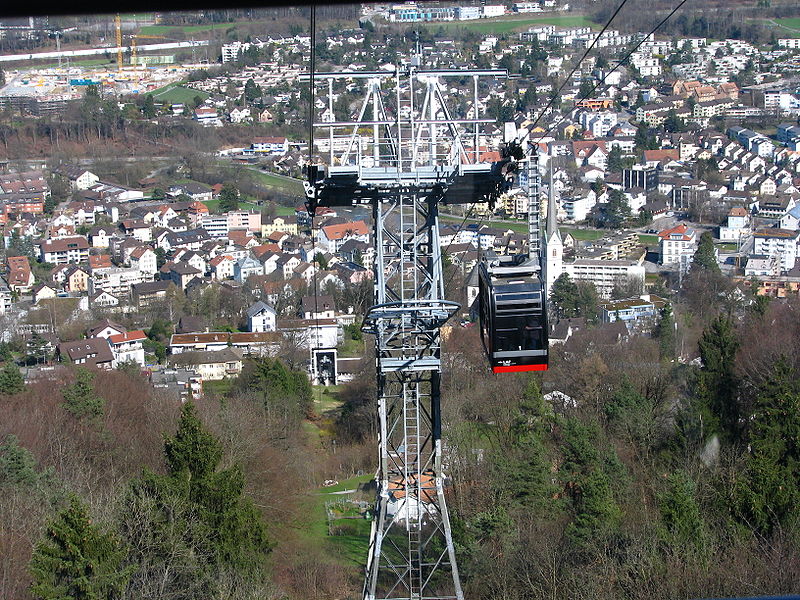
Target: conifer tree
x: 717, y: 383
x: 77, y: 559
x: 11, y: 380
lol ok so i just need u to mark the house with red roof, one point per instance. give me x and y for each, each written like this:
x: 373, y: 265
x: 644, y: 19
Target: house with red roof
x: 677, y: 244
x: 127, y: 347
x: 331, y: 237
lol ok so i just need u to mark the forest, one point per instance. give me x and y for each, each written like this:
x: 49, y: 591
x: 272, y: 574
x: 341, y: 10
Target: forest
x: 656, y: 466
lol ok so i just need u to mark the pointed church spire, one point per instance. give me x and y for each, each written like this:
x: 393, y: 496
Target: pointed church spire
x: 552, y: 210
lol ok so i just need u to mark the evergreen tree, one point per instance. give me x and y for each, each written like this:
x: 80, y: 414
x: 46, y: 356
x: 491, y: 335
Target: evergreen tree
x: 705, y: 255
x: 665, y: 333
x: 149, y: 107
x: 17, y: 464
x: 716, y: 381
x: 251, y: 90
x: 200, y: 509
x: 80, y: 399
x: 228, y: 198
x: 521, y: 464
x: 681, y: 521
x: 617, y: 210
x: 587, y: 301
x: 11, y: 380
x: 615, y: 161
x: 768, y: 495
x: 595, y: 511
x: 564, y: 297
x: 78, y: 560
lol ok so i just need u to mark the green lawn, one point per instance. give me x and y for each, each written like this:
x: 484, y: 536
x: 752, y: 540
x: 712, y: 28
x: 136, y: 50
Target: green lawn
x: 213, y: 206
x: 167, y: 29
x: 351, y: 348
x: 175, y: 93
x: 350, y: 548
x: 289, y: 185
x: 284, y: 211
x: 217, y: 388
x: 648, y: 240
x: 326, y: 398
x: 728, y: 247
x: 582, y: 235
x: 514, y: 23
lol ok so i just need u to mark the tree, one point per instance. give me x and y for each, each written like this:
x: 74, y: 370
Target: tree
x: 768, y: 495
x: 251, y: 90
x: 586, y: 89
x: 705, y: 255
x: 228, y: 198
x: 564, y: 297
x: 673, y: 123
x: 717, y: 383
x: 199, y: 526
x: 149, y: 107
x: 617, y: 210
x: 595, y: 512
x: 11, y: 380
x: 77, y: 559
x: 681, y: 520
x: 615, y: 159
x: 80, y: 398
x: 665, y: 333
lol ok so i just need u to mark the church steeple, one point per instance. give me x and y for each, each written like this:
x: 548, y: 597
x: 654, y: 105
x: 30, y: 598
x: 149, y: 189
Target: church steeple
x: 554, y: 247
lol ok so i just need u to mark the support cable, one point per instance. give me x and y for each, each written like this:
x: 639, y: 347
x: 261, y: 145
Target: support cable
x: 616, y: 66
x: 578, y: 64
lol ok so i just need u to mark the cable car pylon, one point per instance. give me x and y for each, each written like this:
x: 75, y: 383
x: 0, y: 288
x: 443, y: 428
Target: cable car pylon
x: 405, y: 155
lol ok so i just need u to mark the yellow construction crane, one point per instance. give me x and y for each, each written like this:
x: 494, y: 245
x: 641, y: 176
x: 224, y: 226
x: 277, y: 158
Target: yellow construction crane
x: 118, y: 23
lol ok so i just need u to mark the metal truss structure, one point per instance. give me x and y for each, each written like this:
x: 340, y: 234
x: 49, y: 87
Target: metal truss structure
x: 405, y: 155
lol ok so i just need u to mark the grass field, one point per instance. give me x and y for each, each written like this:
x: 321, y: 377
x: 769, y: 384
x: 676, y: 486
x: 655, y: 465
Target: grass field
x: 288, y: 185
x: 284, y: 211
x: 213, y: 206
x: 174, y: 93
x: 514, y: 23
x: 583, y: 235
x: 350, y: 548
x: 166, y: 29
x: 648, y: 240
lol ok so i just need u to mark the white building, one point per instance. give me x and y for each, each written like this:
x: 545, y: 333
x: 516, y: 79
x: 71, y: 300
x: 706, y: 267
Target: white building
x: 677, y: 242
x: 605, y: 274
x: 781, y: 242
x: 737, y: 227
x: 261, y: 317
x: 127, y: 347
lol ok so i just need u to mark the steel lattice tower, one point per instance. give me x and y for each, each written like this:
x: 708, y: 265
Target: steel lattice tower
x: 404, y: 155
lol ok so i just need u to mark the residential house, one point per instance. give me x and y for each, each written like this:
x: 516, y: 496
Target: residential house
x: 781, y: 242
x: 737, y: 227
x: 182, y: 273
x: 43, y: 291
x: 146, y: 293
x: 92, y: 352
x: 127, y: 347
x: 317, y: 307
x: 331, y: 237
x: 65, y: 250
x: 677, y: 244
x: 210, y: 365
x: 245, y: 267
x: 261, y: 317
x: 222, y: 267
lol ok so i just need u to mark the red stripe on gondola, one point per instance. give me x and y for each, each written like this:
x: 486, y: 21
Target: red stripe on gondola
x: 519, y: 368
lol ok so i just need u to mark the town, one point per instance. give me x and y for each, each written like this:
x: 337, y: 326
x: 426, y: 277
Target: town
x: 154, y: 217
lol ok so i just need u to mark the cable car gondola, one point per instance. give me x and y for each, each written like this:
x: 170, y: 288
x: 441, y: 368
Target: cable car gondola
x: 512, y: 314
